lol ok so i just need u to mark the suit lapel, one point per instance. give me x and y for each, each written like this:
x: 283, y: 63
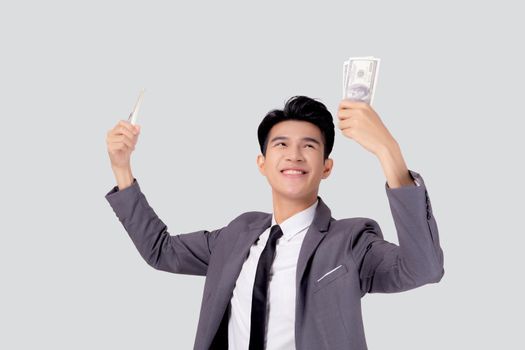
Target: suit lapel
x: 314, y: 235
x: 240, y: 251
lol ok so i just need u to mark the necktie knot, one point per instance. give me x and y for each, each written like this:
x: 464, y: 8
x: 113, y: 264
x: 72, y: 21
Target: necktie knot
x: 275, y: 233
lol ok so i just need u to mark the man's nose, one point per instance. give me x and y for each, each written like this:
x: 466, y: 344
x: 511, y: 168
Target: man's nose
x: 294, y: 154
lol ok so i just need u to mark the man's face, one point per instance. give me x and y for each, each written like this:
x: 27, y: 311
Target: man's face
x: 295, y: 144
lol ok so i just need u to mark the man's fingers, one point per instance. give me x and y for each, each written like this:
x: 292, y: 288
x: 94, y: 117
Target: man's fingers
x: 122, y: 139
x: 123, y: 136
x: 122, y: 144
x: 127, y: 141
x: 124, y: 124
x: 122, y: 129
x: 344, y: 124
x: 125, y: 131
x: 345, y: 114
x: 127, y: 125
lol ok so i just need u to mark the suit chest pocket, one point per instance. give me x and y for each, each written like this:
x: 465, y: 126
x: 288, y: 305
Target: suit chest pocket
x: 329, y: 277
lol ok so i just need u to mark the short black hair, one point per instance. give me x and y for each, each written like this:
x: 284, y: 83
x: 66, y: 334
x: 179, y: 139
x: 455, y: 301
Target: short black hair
x: 300, y: 108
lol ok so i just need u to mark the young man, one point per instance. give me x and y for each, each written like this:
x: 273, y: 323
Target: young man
x: 294, y: 278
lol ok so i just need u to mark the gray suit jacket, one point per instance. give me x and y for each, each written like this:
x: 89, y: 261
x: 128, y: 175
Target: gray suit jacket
x: 328, y: 306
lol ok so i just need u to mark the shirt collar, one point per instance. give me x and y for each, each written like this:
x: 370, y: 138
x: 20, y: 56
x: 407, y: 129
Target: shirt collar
x: 297, y: 222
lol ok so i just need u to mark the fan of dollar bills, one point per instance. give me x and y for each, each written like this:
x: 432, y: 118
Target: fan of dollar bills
x: 360, y: 78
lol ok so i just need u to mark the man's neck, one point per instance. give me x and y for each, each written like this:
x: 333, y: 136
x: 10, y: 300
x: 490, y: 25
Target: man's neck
x: 284, y: 208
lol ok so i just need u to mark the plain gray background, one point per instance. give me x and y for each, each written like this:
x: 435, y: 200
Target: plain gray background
x: 450, y: 91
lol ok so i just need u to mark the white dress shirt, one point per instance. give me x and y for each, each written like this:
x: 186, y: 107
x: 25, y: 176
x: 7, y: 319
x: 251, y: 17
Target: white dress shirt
x: 280, y: 331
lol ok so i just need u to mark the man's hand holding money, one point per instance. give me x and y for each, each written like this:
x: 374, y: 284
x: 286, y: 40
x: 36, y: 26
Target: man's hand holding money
x: 359, y: 121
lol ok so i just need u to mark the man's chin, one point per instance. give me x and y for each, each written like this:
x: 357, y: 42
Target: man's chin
x: 293, y: 194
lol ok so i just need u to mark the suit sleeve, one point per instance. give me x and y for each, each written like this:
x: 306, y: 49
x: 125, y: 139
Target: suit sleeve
x: 187, y: 253
x: 385, y: 267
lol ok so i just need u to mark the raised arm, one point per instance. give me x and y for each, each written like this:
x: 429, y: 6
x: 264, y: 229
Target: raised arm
x: 187, y: 253
x: 385, y: 267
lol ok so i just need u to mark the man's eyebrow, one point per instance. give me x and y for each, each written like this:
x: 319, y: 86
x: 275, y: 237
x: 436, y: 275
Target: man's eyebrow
x: 276, y: 138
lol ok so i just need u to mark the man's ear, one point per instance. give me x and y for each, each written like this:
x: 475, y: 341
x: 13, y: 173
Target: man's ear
x: 260, y: 163
x: 328, y: 165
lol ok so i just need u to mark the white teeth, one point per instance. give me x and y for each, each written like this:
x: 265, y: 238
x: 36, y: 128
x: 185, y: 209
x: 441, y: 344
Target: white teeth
x: 293, y: 172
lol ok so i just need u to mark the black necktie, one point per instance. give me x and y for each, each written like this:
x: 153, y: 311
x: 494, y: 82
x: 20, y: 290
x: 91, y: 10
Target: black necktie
x: 260, y: 290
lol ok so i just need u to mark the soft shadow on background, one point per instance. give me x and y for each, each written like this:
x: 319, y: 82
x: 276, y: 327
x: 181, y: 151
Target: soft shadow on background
x: 449, y: 91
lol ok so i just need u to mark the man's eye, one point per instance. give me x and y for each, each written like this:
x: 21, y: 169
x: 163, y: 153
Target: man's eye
x: 280, y: 143
x: 311, y: 145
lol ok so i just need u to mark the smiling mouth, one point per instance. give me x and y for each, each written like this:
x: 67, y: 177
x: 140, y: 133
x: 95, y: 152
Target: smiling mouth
x: 293, y: 173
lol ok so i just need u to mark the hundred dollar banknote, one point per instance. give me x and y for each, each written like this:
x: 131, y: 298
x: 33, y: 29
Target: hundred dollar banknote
x: 360, y: 78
